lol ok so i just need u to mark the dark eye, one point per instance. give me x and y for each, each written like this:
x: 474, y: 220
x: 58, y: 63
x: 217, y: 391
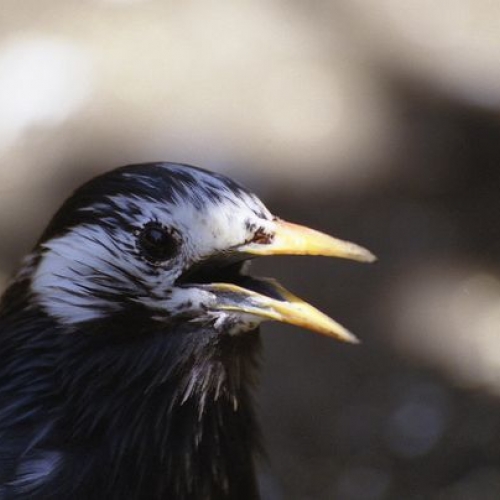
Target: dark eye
x: 157, y: 243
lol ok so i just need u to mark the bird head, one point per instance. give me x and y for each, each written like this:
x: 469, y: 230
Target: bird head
x: 128, y: 340
x: 173, y: 240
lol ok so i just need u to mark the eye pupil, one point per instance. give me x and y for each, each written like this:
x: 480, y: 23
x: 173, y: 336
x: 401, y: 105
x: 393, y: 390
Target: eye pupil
x: 154, y: 237
x: 157, y: 243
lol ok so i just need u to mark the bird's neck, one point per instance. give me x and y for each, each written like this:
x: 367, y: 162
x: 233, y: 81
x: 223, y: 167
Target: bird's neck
x: 128, y: 410
x: 160, y: 414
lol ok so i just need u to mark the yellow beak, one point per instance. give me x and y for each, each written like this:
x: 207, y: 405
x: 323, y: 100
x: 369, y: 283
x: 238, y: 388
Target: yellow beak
x: 268, y: 300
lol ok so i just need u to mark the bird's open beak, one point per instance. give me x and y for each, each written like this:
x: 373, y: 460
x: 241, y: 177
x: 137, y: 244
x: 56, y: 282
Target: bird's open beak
x: 267, y: 299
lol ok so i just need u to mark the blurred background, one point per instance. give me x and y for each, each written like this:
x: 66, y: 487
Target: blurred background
x: 376, y: 121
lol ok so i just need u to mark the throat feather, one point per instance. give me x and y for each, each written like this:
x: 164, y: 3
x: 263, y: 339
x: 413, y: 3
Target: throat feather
x: 175, y: 411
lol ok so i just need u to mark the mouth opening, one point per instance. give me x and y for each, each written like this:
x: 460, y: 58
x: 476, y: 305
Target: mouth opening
x: 242, y: 296
x: 227, y: 271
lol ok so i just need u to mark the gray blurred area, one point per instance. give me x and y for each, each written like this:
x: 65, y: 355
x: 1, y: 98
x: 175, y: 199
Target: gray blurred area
x: 376, y: 121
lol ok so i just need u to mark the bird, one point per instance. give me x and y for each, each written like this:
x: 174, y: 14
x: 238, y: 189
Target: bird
x: 129, y: 339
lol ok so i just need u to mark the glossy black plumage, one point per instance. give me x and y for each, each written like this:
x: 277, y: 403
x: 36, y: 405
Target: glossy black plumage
x: 112, y: 406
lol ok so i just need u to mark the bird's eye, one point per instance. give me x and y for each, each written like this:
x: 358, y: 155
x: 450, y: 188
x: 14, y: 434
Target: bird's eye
x: 157, y: 243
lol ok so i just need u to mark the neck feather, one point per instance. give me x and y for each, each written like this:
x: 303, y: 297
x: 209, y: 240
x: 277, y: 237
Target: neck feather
x: 136, y: 410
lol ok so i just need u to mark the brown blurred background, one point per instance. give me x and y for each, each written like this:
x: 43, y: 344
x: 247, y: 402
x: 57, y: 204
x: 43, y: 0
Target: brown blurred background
x: 377, y: 121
